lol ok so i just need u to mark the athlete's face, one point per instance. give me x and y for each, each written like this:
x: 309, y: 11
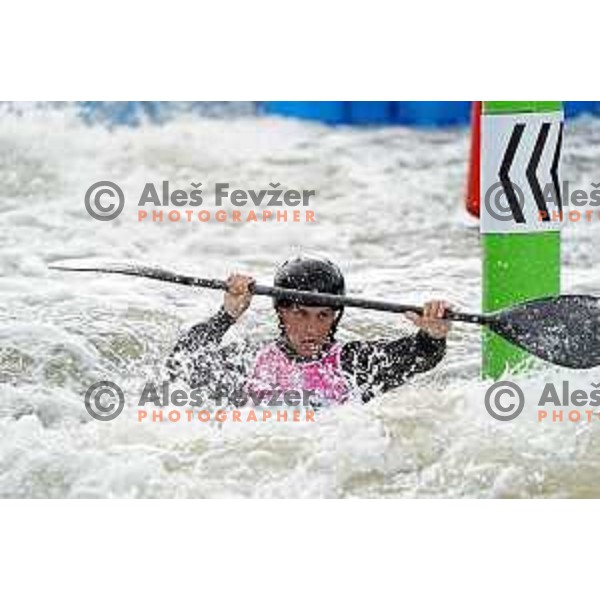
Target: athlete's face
x: 307, y: 327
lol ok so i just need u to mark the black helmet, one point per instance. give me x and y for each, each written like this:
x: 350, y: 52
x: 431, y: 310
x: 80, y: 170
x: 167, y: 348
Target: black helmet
x: 310, y: 275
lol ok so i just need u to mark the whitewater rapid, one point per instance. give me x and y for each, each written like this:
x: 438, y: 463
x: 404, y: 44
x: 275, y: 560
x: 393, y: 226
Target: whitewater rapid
x: 389, y: 210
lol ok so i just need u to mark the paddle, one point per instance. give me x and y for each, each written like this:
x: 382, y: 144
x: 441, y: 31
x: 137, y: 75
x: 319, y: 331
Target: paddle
x: 564, y: 330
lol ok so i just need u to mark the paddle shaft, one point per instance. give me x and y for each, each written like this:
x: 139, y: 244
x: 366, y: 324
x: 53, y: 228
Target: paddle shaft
x: 301, y: 297
x: 339, y: 301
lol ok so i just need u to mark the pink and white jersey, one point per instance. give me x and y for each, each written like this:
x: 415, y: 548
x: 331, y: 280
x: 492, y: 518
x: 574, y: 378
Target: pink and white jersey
x: 275, y: 370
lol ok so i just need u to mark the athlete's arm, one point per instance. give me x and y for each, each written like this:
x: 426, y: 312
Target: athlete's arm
x: 383, y: 365
x: 199, y: 347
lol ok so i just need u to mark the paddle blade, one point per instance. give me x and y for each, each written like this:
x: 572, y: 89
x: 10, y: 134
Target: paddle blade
x: 564, y: 330
x: 120, y: 269
x: 149, y: 272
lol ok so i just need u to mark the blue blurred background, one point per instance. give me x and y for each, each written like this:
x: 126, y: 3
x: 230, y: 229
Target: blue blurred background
x: 427, y: 114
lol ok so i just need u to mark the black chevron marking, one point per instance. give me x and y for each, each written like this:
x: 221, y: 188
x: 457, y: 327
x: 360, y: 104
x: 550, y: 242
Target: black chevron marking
x: 534, y: 184
x: 504, y: 175
x: 554, y: 168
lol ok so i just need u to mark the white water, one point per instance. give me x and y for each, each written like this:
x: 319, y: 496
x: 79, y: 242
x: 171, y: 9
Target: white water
x: 389, y: 211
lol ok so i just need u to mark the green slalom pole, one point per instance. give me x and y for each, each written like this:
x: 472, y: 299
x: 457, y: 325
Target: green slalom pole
x: 517, y: 265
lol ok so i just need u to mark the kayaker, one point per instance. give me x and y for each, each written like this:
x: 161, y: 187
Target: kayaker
x: 306, y: 354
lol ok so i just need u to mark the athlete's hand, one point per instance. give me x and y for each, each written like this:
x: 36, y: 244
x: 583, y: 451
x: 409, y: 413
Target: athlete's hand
x: 238, y: 296
x: 431, y: 320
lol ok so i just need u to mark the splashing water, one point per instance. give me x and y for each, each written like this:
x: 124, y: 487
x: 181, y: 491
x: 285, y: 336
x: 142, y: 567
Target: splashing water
x: 388, y: 210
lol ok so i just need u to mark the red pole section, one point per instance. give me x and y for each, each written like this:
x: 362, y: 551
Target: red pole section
x: 472, y: 199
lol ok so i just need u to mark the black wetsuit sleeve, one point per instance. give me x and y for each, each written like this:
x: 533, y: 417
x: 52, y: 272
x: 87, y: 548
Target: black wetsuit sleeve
x: 198, y: 351
x: 208, y: 332
x: 379, y: 366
